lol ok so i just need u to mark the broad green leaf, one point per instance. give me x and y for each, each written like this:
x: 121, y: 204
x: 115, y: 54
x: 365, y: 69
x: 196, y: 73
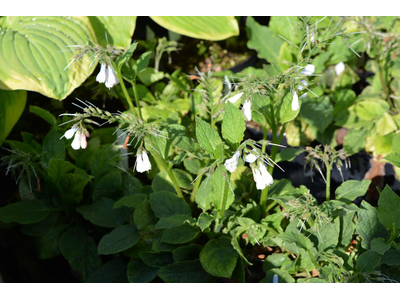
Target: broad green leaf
x: 142, y: 62
x: 184, y: 272
x: 53, y: 146
x: 296, y: 238
x: 139, y: 272
x: 218, y: 257
x: 391, y: 257
x: 150, y: 75
x: 370, y: 109
x: 207, y: 136
x: 318, y: 112
x: 368, y: 225
x: 161, y: 182
x: 12, y: 104
x: 382, y: 144
x: 33, y: 55
x: 184, y: 179
x: 101, y: 213
x: 113, y: 271
x: 389, y: 209
x: 351, y: 189
x: 118, y: 240
x: 276, y: 260
x: 354, y: 140
x: 131, y: 201
x: 393, y: 158
x: 172, y: 221
x: 126, y: 56
x: 288, y: 154
x: 328, y: 235
x: 47, y: 244
x: 347, y: 227
x: 80, y: 250
x: 201, y: 27
x: 283, y: 276
x: 368, y: 261
x: 343, y: 100
x: 386, y: 124
x: 286, y: 27
x: 203, y: 195
x: 233, y: 125
x: 165, y: 204
x: 218, y: 184
x: 108, y: 186
x: 263, y: 40
x: 156, y: 259
x: 116, y: 30
x: 187, y: 253
x: 44, y: 114
x: 204, y: 221
x: 180, y: 235
x: 143, y: 216
x: 25, y: 212
x: 130, y: 185
x: 379, y: 245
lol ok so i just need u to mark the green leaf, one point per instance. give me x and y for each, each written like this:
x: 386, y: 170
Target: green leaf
x: 233, y: 125
x: 44, y: 114
x: 126, y: 56
x: 204, y: 221
x: 263, y: 40
x: 368, y: 261
x: 155, y: 259
x: 142, y: 62
x: 172, y: 221
x: 391, y: 257
x: 284, y: 108
x: 318, y: 112
x: 354, y: 140
x: 139, y: 272
x: 113, y: 30
x: 118, y: 240
x: 370, y: 109
x: 285, y: 26
x: 394, y: 159
x: 149, y: 76
x: 351, y: 189
x: 386, y: 124
x: 101, y: 213
x: 12, y: 104
x: 108, y: 186
x: 130, y: 201
x: 288, y: 154
x: 389, y: 209
x: 203, y: 195
x: 143, y: 216
x: 25, y: 212
x: 218, y: 257
x: 130, y: 185
x: 283, y: 276
x: 201, y: 27
x: 187, y: 253
x: 113, y: 271
x: 183, y: 179
x: 368, y: 225
x: 379, y: 245
x: 47, y: 244
x: 296, y: 238
x: 184, y: 272
x: 276, y: 260
x: 218, y: 182
x: 343, y: 100
x: 53, y: 146
x: 207, y: 137
x: 33, y: 55
x: 180, y: 235
x: 328, y: 235
x: 165, y: 204
x: 80, y: 250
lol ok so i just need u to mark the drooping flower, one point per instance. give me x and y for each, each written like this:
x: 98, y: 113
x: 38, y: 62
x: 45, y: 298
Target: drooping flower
x: 308, y: 70
x: 101, y: 77
x: 111, y: 78
x: 246, y: 110
x: 261, y: 176
x: 339, y: 68
x: 235, y: 98
x: 303, y: 84
x: 295, y: 102
x: 70, y: 133
x: 250, y: 158
x: 79, y: 141
x: 142, y: 161
x: 231, y: 163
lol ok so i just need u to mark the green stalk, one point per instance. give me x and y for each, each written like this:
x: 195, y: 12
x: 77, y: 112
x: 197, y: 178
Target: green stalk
x: 328, y: 181
x: 195, y: 188
x: 221, y: 213
x: 137, y: 98
x: 125, y: 91
x: 163, y: 166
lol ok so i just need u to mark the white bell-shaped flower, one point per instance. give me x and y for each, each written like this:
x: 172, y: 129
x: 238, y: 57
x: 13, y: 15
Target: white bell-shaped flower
x: 111, y: 78
x: 295, y: 101
x: 261, y: 176
x: 101, y: 77
x: 70, y: 133
x: 308, y: 70
x: 246, y: 110
x: 235, y: 98
x: 231, y: 163
x: 250, y: 158
x: 76, y: 143
x: 303, y: 84
x: 339, y: 68
x: 142, y: 161
x: 83, y: 141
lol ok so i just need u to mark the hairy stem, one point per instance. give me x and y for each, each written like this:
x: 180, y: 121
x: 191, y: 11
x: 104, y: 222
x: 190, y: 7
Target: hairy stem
x: 195, y: 188
x: 328, y: 181
x: 137, y: 99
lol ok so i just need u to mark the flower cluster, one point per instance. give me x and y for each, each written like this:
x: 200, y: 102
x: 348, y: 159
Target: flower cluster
x: 107, y: 76
x: 308, y: 71
x: 80, y: 137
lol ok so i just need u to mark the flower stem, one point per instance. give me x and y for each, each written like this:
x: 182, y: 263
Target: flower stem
x: 328, y: 181
x: 163, y: 166
x: 126, y: 94
x: 137, y: 98
x: 221, y: 213
x: 195, y: 188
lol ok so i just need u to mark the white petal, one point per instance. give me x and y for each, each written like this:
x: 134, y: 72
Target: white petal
x: 231, y: 163
x: 303, y: 84
x: 262, y: 176
x: 295, y: 102
x: 101, y: 77
x: 246, y: 110
x: 339, y: 68
x: 76, y: 143
x: 142, y: 162
x: 70, y: 133
x: 250, y: 158
x: 234, y: 98
x: 83, y: 141
x: 111, y: 79
x: 308, y: 70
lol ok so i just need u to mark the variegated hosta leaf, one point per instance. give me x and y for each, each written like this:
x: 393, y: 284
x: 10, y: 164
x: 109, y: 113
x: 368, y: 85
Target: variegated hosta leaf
x: 33, y: 55
x: 201, y: 27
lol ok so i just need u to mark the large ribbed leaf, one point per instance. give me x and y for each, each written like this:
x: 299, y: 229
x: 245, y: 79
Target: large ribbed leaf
x: 33, y: 56
x: 12, y: 104
x: 207, y: 27
x: 119, y: 30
